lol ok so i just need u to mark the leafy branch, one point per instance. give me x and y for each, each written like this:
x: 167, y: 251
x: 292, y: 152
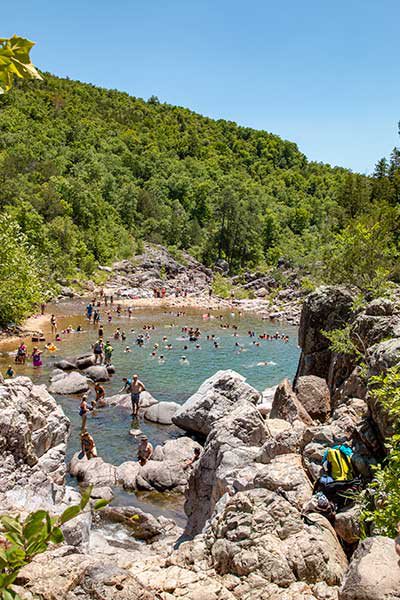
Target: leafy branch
x: 15, y: 61
x: 21, y: 541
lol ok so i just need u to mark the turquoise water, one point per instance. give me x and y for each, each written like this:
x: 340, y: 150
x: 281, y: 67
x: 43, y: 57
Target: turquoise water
x: 171, y: 380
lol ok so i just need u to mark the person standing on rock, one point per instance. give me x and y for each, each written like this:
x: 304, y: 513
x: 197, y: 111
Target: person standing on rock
x: 136, y: 388
x: 98, y: 348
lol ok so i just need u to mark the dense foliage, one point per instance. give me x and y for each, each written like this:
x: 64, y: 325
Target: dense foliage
x: 89, y: 173
x: 86, y: 171
x: 381, y: 501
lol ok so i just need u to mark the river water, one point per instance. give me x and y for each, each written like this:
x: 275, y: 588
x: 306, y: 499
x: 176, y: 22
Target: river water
x: 168, y: 381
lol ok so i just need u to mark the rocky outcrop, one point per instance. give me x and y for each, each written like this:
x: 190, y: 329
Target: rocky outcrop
x: 33, y: 436
x: 65, y: 575
x: 213, y: 400
x: 325, y: 309
x: 260, y: 537
x: 374, y: 572
x: 228, y: 460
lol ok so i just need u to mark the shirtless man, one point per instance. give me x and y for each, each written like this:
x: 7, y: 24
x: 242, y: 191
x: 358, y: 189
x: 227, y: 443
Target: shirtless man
x: 145, y: 451
x: 136, y: 388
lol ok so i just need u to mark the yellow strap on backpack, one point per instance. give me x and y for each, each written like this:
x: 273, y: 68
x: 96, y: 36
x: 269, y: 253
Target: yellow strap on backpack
x: 341, y: 468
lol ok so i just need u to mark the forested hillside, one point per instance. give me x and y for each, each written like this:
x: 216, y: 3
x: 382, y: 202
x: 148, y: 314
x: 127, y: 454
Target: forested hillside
x: 88, y: 173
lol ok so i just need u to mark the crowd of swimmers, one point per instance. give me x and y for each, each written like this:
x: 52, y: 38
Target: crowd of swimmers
x: 103, y: 352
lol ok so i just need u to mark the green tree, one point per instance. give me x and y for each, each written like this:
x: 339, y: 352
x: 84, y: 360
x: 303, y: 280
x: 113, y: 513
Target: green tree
x: 20, y: 284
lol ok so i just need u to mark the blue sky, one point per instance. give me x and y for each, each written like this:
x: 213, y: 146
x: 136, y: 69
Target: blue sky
x: 323, y: 74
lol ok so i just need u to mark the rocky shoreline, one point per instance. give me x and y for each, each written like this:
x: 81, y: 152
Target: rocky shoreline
x: 253, y: 530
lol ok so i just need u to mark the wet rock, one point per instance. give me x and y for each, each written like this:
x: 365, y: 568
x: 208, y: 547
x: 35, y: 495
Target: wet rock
x: 213, y: 400
x: 97, y: 373
x: 124, y: 400
x: 64, y: 365
x: 68, y: 383
x: 286, y: 405
x: 85, y: 361
x: 142, y: 525
x: 313, y: 393
x: 373, y: 573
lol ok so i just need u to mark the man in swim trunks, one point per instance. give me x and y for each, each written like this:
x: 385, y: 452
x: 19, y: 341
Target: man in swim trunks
x: 136, y: 388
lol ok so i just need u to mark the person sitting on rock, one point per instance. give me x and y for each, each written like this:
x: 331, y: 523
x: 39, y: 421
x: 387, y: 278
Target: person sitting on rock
x: 145, y: 451
x: 100, y: 395
x: 88, y: 445
x: 189, y: 463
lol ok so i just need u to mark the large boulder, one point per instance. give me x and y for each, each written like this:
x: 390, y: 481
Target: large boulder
x: 374, y: 572
x: 213, y: 400
x: 313, y: 393
x: 259, y: 537
x: 94, y: 472
x: 68, y: 383
x: 124, y: 400
x: 177, y: 451
x: 287, y: 406
x: 382, y: 356
x: 97, y: 373
x: 162, y: 412
x: 65, y: 365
